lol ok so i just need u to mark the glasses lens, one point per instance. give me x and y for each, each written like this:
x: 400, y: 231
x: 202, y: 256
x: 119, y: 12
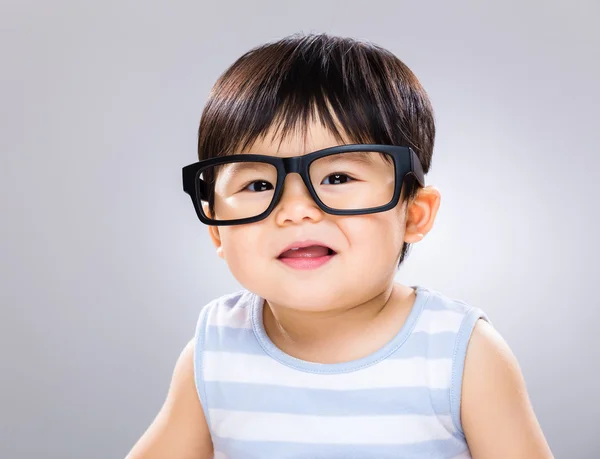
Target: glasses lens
x: 236, y: 190
x: 354, y: 180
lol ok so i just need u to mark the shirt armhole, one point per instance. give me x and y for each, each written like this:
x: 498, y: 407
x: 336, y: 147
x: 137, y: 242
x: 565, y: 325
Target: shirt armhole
x: 199, y: 336
x: 458, y: 362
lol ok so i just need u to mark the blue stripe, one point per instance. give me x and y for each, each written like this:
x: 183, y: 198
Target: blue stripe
x: 229, y: 339
x: 323, y: 402
x: 200, y: 335
x: 243, y: 341
x: 428, y: 345
x: 435, y: 449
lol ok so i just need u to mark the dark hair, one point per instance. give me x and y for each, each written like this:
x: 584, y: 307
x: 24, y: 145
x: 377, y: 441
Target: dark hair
x: 357, y: 85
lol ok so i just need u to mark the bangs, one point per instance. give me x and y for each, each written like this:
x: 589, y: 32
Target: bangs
x: 358, y: 91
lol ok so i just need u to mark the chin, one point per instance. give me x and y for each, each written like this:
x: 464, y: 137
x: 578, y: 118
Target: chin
x: 316, y: 298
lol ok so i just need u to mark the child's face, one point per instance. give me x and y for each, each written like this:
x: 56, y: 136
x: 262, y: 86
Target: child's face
x: 367, y: 247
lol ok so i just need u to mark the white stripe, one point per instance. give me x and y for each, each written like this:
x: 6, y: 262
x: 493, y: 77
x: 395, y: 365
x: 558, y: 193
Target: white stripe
x: 432, y: 321
x: 235, y: 317
x: 260, y: 369
x: 465, y: 455
x: 357, y: 430
x: 219, y: 455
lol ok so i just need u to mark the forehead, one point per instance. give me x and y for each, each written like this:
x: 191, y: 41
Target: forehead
x: 295, y: 142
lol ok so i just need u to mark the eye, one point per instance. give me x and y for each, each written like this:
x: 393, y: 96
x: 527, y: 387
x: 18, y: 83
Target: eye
x: 336, y: 179
x: 259, y: 185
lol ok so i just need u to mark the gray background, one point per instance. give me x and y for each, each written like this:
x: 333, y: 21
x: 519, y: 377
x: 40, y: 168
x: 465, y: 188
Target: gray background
x: 104, y: 265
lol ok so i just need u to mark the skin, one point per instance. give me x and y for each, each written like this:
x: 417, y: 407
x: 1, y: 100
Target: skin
x: 345, y: 310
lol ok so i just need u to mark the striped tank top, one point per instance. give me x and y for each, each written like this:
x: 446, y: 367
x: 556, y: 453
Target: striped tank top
x: 402, y: 401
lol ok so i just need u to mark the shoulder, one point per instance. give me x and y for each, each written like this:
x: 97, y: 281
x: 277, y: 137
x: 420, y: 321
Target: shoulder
x: 218, y: 318
x: 224, y: 325
x: 437, y: 300
x: 449, y: 324
x: 231, y: 300
x: 230, y: 310
x: 491, y: 370
x: 180, y: 429
x: 489, y: 402
x: 487, y: 347
x: 493, y: 383
x: 442, y: 313
x: 490, y: 364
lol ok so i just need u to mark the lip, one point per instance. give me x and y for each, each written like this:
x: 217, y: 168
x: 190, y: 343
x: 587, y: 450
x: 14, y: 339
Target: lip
x: 302, y: 244
x: 306, y: 263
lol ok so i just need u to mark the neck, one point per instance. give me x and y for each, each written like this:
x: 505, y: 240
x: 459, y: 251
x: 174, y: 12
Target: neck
x: 331, y: 335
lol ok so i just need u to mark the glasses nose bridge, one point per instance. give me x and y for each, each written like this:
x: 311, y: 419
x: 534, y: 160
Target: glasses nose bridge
x: 293, y: 164
x: 296, y: 165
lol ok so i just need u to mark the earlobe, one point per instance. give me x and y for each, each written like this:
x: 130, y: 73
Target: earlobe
x: 421, y: 214
x: 215, y: 236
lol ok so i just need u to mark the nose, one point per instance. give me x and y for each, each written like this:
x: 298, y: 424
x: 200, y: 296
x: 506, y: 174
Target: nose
x: 296, y: 204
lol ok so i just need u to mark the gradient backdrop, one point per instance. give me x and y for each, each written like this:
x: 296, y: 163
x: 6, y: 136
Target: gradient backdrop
x: 104, y: 266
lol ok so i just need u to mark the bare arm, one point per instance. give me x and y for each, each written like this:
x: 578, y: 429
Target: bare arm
x: 497, y: 416
x: 179, y: 431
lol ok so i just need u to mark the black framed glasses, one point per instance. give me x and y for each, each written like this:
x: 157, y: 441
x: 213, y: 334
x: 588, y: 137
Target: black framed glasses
x: 342, y: 180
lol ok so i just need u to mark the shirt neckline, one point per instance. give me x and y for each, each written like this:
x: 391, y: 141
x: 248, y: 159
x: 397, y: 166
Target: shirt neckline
x: 257, y: 307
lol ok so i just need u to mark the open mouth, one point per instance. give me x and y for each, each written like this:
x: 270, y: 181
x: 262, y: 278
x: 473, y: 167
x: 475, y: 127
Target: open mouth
x: 312, y: 251
x: 307, y: 256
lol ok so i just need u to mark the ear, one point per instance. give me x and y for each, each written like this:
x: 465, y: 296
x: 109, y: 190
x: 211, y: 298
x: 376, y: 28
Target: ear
x: 421, y: 214
x: 215, y: 236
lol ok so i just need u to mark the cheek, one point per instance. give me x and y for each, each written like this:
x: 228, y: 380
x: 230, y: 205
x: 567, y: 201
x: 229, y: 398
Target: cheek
x: 378, y: 236
x: 236, y: 241
x: 242, y: 250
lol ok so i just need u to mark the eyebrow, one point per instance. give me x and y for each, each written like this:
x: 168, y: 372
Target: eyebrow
x: 232, y: 168
x: 363, y: 157
x: 360, y: 157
